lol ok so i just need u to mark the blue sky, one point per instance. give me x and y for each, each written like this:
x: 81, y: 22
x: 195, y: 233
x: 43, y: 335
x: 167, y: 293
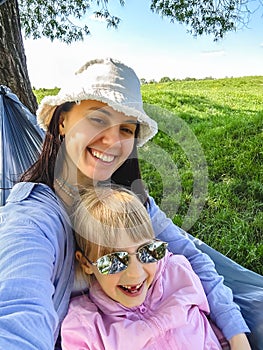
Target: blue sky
x: 152, y: 46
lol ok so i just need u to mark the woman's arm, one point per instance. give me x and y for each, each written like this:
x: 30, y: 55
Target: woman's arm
x: 32, y: 255
x: 27, y: 315
x: 224, y: 312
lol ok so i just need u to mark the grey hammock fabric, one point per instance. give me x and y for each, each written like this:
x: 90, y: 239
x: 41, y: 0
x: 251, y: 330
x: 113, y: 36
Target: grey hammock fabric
x: 20, y: 140
x: 247, y: 287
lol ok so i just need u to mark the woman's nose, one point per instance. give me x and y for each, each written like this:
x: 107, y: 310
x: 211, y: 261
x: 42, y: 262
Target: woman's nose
x: 112, y: 136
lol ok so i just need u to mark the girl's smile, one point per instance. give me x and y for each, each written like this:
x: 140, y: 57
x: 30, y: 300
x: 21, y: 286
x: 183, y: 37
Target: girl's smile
x: 132, y: 290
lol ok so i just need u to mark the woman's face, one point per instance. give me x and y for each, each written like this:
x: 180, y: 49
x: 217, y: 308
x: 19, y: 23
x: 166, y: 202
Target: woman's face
x: 98, y: 139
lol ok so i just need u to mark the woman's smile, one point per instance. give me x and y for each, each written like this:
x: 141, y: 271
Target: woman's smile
x: 104, y: 157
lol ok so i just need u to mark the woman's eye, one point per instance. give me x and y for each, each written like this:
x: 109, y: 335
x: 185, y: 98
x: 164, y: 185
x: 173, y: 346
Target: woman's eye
x: 98, y: 120
x: 129, y: 129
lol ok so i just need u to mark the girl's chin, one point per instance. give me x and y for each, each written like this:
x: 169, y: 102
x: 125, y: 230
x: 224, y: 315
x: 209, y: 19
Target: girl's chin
x: 134, y: 303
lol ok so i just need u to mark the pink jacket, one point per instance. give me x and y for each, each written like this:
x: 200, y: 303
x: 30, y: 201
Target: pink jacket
x: 172, y: 316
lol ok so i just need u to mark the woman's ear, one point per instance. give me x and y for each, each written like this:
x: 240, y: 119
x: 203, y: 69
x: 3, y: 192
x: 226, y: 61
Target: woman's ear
x: 84, y: 264
x: 61, y: 125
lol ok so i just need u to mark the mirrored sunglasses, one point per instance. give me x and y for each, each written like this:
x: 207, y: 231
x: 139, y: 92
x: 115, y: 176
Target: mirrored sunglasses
x: 116, y: 262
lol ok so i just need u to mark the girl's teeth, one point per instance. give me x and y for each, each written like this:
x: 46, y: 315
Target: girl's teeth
x: 133, y: 287
x: 103, y: 157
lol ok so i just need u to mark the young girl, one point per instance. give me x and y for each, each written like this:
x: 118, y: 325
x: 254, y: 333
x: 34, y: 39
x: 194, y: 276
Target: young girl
x: 93, y: 128
x: 140, y: 296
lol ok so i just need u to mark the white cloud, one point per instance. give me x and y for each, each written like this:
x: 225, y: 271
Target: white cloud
x: 213, y: 53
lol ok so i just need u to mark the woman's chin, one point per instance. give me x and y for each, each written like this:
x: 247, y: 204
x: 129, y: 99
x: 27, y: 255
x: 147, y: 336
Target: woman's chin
x: 93, y: 178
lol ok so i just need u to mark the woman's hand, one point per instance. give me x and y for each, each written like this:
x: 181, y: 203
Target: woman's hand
x: 239, y: 342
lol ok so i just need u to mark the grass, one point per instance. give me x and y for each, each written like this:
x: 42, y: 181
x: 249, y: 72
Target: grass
x: 226, y: 117
x: 205, y: 165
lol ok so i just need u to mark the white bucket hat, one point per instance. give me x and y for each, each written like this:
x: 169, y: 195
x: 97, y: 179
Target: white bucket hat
x: 106, y: 80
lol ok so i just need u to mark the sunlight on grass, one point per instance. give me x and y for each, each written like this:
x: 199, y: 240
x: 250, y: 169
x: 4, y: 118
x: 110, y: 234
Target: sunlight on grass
x: 226, y: 115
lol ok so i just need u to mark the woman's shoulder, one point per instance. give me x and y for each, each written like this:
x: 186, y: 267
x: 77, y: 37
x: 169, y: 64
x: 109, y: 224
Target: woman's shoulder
x: 32, y: 195
x: 33, y: 204
x: 24, y: 190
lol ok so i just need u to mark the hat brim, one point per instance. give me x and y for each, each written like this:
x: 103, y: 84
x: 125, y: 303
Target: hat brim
x: 148, y: 127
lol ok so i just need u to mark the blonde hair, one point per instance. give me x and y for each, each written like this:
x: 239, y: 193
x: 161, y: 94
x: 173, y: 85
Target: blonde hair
x: 104, y: 216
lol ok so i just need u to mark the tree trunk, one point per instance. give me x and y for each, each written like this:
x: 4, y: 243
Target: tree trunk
x: 13, y: 67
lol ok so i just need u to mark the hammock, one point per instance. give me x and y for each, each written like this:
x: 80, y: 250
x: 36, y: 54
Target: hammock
x: 20, y: 140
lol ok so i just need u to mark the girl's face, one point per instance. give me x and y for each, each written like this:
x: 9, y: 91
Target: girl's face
x: 128, y: 287
x: 98, y: 139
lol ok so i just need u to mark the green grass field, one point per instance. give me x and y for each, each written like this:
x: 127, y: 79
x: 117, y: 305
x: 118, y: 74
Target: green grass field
x: 208, y: 156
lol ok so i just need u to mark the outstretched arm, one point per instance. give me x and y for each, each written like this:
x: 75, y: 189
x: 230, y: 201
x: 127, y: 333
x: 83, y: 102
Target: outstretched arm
x: 33, y: 298
x: 224, y: 312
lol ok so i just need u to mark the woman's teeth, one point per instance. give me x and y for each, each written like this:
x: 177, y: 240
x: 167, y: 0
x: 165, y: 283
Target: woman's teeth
x: 102, y: 156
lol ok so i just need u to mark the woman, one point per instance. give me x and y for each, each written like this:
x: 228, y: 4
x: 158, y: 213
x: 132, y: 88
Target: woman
x: 94, y: 126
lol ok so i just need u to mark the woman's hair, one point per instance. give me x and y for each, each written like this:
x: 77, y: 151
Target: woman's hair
x: 127, y: 175
x: 105, y: 216
x: 43, y: 169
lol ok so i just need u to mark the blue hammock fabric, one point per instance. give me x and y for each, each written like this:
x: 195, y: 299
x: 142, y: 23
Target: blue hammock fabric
x: 247, y: 287
x: 20, y: 140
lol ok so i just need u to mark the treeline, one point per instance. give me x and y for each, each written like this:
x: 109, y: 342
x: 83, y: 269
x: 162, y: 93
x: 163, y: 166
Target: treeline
x: 169, y: 80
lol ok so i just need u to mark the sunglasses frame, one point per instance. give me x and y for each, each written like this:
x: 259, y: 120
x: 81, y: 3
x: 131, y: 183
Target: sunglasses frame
x: 124, y: 267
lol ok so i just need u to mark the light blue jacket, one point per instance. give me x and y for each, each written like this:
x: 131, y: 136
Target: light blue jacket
x: 36, y: 269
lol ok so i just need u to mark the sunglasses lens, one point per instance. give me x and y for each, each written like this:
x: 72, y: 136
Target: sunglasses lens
x: 152, y: 252
x: 113, y: 263
x: 118, y: 261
